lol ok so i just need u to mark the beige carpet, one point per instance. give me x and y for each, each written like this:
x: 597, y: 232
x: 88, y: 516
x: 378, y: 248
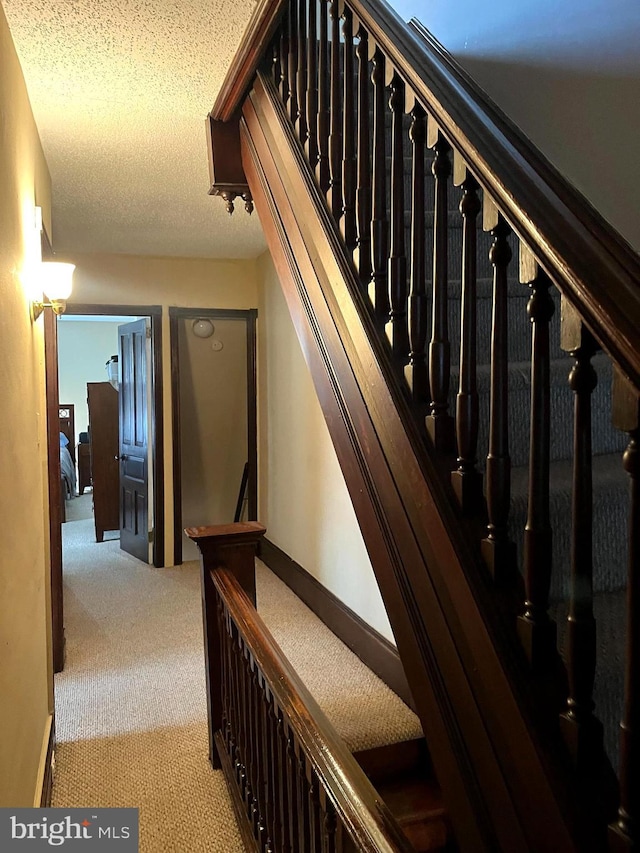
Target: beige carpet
x: 131, y: 707
x: 80, y: 507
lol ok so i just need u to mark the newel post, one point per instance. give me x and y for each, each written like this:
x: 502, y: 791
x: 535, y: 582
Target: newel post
x: 232, y: 547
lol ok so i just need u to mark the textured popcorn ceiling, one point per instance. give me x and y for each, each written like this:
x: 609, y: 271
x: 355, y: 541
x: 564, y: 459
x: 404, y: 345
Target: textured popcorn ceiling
x: 120, y: 90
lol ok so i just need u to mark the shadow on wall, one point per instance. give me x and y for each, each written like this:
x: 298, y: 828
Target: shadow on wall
x: 579, y: 120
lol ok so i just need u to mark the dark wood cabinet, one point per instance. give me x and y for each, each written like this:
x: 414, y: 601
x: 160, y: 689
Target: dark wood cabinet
x: 102, y: 399
x: 83, y: 455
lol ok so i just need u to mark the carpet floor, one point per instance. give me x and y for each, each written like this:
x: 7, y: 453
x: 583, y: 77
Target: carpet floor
x: 131, y: 706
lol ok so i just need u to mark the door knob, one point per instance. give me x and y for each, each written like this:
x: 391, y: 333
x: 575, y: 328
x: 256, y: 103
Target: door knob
x: 120, y: 458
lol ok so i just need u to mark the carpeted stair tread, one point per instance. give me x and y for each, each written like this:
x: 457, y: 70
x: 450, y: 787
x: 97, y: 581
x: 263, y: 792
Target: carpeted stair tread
x: 605, y: 439
x: 610, y: 521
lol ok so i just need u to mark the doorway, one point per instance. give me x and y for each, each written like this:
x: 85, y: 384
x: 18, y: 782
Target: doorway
x: 213, y: 378
x: 118, y: 315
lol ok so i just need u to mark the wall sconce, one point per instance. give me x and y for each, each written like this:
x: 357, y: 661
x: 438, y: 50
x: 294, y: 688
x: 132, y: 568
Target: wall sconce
x: 54, y: 279
x: 202, y: 328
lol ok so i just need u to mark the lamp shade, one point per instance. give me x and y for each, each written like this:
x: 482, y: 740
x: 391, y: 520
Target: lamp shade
x: 56, y: 279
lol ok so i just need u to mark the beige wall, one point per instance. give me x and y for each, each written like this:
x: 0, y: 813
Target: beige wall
x: 178, y: 282
x: 213, y: 418
x: 25, y: 689
x: 303, y: 498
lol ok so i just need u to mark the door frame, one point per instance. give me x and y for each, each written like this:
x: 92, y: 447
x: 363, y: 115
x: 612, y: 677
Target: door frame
x: 250, y: 316
x: 154, y: 312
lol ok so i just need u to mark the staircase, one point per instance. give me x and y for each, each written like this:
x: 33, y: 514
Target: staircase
x: 465, y: 315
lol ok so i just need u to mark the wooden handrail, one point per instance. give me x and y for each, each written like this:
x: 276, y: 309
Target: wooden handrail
x: 364, y: 815
x: 584, y: 256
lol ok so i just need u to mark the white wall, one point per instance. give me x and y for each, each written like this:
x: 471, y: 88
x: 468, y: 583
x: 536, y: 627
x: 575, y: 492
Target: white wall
x: 84, y: 346
x: 568, y: 73
x: 303, y: 498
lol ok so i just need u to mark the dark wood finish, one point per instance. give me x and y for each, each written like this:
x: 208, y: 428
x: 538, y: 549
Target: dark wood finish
x: 624, y: 835
x: 591, y: 263
x: 258, y: 34
x: 177, y: 438
x: 157, y: 441
x: 392, y: 760
x: 303, y: 48
x: 466, y: 481
x: 133, y: 449
x: 335, y: 114
x: 312, y: 86
x: 246, y: 830
x: 498, y: 551
x: 47, y: 782
x: 349, y: 165
x: 405, y: 522
x: 250, y: 316
x: 330, y: 771
x: 284, y: 64
x: 581, y: 730
x: 102, y: 401
x: 372, y: 648
x: 323, y: 171
x: 363, y: 191
x: 56, y: 502
x: 418, y: 372
x: 157, y: 420
x: 399, y: 333
x: 230, y: 546
x: 537, y: 631
x: 439, y: 422
x: 379, y: 223
x: 237, y: 516
x: 83, y: 452
x: 292, y: 18
x: 226, y: 176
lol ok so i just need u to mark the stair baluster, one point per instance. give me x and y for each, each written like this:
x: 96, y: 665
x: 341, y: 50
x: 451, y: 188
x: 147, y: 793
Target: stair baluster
x: 276, y: 788
x: 312, y: 86
x: 466, y: 481
x: 260, y: 831
x: 439, y: 423
x: 379, y: 223
x: 292, y: 791
x: 329, y: 827
x: 315, y: 816
x: 536, y: 630
x: 417, y: 372
x: 301, y: 123
x: 348, y: 218
x: 304, y: 821
x: 323, y: 172
x: 581, y: 730
x: 246, y: 712
x: 281, y: 763
x: 267, y: 756
x: 363, y: 192
x: 335, y: 135
x: 293, y: 60
x: 497, y: 550
x: 624, y: 835
x: 283, y: 82
x: 397, y: 331
x: 276, y: 69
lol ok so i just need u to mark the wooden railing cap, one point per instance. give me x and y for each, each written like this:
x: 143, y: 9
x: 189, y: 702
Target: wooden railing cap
x: 248, y: 530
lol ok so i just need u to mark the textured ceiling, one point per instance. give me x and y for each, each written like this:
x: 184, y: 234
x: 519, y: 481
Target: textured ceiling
x: 120, y: 90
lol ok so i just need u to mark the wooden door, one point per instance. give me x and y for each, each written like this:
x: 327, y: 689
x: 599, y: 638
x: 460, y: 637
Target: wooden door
x: 134, y: 439
x: 102, y: 401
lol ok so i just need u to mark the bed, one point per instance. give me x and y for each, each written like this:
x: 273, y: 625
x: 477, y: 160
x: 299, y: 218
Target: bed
x: 67, y: 455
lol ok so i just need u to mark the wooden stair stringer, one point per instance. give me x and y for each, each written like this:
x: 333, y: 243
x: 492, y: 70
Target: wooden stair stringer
x: 498, y: 783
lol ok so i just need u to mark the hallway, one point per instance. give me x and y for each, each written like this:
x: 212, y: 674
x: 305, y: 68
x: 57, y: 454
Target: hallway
x: 131, y: 708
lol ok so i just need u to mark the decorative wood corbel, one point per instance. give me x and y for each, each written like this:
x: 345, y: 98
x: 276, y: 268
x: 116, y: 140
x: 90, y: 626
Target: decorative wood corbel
x: 225, y: 163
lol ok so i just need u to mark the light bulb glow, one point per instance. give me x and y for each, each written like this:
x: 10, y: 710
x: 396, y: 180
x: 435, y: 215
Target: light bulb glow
x: 56, y: 279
